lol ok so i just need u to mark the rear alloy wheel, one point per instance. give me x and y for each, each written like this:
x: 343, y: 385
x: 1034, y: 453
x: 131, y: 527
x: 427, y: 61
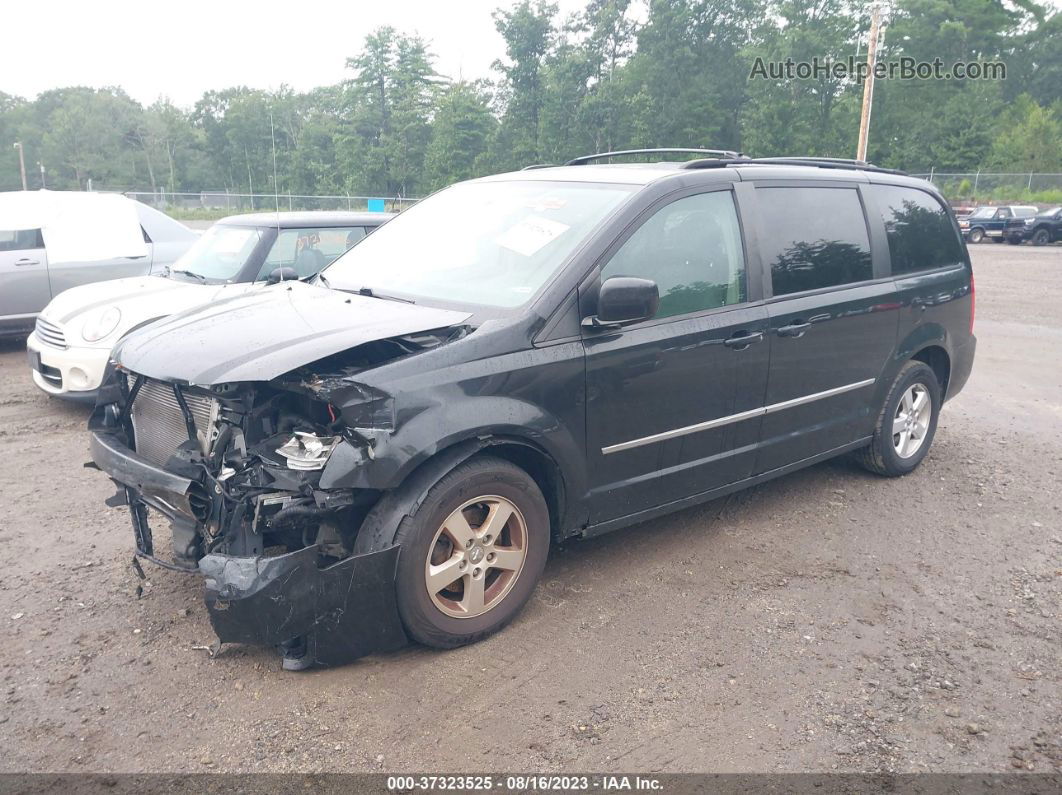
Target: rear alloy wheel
x: 906, y: 424
x: 976, y: 235
x: 1041, y: 237
x: 472, y: 553
x: 911, y: 420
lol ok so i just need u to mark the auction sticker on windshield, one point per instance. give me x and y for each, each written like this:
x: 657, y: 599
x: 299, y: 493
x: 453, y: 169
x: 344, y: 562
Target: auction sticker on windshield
x: 531, y: 234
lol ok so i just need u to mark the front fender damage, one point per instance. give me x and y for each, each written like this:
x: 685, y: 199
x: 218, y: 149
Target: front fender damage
x: 267, y: 501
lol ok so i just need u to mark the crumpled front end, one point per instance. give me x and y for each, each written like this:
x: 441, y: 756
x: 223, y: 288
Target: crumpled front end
x: 254, y: 480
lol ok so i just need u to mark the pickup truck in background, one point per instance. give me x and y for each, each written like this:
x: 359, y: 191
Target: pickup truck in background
x: 997, y: 223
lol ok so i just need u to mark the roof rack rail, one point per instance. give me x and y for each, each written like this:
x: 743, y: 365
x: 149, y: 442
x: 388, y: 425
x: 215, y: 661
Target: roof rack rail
x: 815, y: 162
x: 533, y: 166
x: 717, y: 153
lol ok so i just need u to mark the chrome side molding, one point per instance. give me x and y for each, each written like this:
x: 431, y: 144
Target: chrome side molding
x: 732, y: 418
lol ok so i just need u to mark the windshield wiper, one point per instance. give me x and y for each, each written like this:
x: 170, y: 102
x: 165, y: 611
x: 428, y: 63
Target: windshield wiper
x: 202, y: 279
x: 322, y: 278
x: 368, y: 293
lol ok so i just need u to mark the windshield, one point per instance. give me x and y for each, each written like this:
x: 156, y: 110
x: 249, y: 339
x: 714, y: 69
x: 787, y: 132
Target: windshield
x: 489, y: 243
x: 220, y: 253
x: 1051, y: 211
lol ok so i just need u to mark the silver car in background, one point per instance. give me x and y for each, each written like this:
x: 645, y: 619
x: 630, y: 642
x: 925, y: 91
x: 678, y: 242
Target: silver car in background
x: 28, y: 280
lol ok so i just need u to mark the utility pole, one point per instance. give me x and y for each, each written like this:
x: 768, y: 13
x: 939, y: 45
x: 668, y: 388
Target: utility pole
x: 21, y: 164
x: 868, y: 84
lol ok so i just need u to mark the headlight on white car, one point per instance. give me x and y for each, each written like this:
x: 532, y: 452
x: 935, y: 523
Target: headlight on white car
x: 100, y: 324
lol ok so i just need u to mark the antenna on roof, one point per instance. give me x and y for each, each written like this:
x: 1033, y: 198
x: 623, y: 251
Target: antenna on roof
x: 276, y: 190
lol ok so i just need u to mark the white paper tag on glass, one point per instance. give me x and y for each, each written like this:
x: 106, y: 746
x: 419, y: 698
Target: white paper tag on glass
x: 531, y: 234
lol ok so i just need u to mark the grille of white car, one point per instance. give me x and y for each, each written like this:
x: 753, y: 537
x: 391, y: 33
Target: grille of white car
x: 158, y: 423
x: 50, y: 334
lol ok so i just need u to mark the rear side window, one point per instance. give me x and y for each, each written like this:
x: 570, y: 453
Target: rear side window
x: 921, y: 236
x: 813, y: 238
x: 21, y: 240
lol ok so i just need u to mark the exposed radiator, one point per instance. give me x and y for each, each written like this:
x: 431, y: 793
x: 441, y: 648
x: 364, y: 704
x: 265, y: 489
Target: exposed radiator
x: 159, y: 424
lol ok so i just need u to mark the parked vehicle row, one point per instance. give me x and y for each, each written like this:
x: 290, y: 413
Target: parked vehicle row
x: 385, y: 452
x: 34, y: 271
x: 1008, y: 223
x: 74, y: 334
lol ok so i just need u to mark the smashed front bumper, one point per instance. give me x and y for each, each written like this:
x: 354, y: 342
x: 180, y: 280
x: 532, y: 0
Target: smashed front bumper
x: 332, y: 614
x: 339, y: 613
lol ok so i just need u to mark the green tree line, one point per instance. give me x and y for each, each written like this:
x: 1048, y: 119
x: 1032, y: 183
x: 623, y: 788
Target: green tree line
x: 614, y: 75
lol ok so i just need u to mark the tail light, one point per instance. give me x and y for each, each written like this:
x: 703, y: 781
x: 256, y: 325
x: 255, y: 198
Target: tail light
x: 973, y: 302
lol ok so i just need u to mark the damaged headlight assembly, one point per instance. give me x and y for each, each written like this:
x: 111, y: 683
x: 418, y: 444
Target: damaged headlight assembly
x: 307, y: 451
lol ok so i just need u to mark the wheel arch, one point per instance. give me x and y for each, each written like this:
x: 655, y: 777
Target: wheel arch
x: 938, y: 359
x: 930, y: 343
x: 405, y: 498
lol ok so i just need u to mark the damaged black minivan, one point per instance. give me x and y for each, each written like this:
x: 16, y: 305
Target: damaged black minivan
x: 389, y: 451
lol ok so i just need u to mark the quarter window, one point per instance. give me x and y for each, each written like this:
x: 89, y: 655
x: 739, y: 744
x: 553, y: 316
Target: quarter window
x: 813, y: 238
x: 21, y: 240
x: 921, y: 235
x: 692, y: 250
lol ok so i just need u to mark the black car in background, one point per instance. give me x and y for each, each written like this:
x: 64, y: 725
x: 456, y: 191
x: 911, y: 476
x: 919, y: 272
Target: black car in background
x: 389, y: 452
x: 1044, y: 228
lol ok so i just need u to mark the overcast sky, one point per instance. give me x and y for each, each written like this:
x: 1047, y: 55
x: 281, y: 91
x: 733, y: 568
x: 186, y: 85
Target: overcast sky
x: 181, y: 49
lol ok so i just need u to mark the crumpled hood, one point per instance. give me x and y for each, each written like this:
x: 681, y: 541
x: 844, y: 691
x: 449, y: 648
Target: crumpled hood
x: 139, y: 298
x: 268, y: 332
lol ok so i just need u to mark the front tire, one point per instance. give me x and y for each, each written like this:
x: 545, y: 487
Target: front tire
x: 976, y: 235
x: 1041, y: 237
x: 907, y: 422
x: 472, y: 553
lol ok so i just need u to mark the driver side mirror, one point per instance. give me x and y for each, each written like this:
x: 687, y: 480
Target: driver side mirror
x: 623, y: 300
x: 281, y: 275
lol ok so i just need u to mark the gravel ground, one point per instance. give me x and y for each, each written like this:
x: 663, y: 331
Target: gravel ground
x: 829, y: 620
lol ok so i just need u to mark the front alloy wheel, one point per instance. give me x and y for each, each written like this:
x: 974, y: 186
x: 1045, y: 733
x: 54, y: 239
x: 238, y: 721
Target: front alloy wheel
x: 472, y: 552
x: 476, y: 557
x: 1041, y: 237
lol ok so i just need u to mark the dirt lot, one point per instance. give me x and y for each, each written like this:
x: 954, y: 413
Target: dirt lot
x: 827, y: 620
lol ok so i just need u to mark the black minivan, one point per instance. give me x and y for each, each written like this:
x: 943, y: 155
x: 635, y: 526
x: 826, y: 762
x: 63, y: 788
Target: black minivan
x: 388, y: 451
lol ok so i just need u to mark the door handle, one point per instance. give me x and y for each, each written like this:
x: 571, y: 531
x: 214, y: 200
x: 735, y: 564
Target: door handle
x: 795, y: 329
x: 24, y: 261
x: 743, y: 339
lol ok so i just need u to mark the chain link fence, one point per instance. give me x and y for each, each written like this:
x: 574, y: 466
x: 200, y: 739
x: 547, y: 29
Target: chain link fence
x: 998, y: 186
x: 216, y: 204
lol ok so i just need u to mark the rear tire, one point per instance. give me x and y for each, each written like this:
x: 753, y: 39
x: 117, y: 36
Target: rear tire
x: 905, y: 427
x: 484, y: 529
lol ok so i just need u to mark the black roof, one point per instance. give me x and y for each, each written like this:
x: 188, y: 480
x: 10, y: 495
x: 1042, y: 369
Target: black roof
x: 308, y: 219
